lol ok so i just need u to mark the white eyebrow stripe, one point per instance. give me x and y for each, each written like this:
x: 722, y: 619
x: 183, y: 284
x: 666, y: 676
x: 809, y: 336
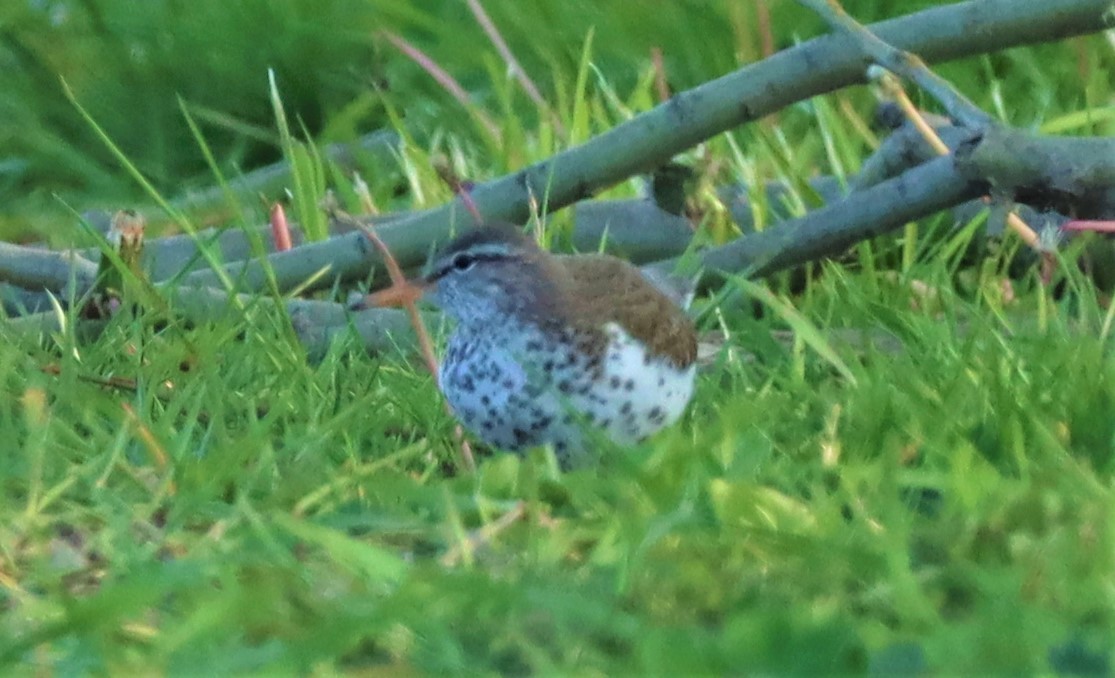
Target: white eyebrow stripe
x: 484, y: 251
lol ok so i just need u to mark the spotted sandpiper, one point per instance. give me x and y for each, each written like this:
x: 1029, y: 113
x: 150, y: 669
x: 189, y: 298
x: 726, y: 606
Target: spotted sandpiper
x: 547, y: 347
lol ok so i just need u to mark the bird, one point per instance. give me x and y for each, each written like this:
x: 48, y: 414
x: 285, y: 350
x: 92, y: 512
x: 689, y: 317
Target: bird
x: 551, y: 349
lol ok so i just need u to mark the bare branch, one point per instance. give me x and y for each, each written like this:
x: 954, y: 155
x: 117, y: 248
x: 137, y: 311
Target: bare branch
x: 900, y: 62
x: 893, y: 87
x: 318, y: 324
x: 1072, y: 175
x: 165, y: 258
x: 929, y: 188
x: 652, y: 138
x: 43, y: 269
x: 637, y: 230
x: 906, y: 147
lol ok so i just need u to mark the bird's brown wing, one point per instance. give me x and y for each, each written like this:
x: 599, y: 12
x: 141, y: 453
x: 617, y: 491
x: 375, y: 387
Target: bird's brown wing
x: 608, y: 289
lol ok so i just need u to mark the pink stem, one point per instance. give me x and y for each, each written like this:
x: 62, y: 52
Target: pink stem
x: 1085, y: 225
x: 280, y: 230
x: 528, y: 85
x: 443, y: 78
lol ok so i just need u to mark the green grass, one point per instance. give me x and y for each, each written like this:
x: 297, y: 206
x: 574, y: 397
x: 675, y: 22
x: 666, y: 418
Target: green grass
x: 937, y: 497
x: 952, y: 509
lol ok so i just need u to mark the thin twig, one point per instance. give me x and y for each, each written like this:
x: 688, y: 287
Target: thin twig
x: 158, y: 453
x: 122, y: 383
x: 513, y: 64
x: 483, y: 535
x: 364, y: 194
x: 661, y: 86
x: 460, y: 188
x: 903, y: 63
x: 424, y: 342
x: 448, y: 82
x: 766, y: 27
x: 893, y: 88
x: 1022, y: 229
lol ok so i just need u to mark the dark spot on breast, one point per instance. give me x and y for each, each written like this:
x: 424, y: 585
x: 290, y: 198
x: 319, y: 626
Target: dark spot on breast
x: 521, y: 436
x: 629, y: 385
x: 508, y: 384
x: 486, y: 400
x: 615, y: 382
x: 626, y: 409
x: 565, y: 386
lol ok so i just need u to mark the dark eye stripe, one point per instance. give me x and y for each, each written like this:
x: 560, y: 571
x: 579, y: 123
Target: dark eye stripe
x: 476, y: 257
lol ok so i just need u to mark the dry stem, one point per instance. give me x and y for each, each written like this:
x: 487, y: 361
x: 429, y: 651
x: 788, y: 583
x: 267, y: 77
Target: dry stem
x: 425, y: 344
x: 893, y: 88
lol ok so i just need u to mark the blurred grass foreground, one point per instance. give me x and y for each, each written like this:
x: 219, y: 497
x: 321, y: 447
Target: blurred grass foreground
x: 202, y: 499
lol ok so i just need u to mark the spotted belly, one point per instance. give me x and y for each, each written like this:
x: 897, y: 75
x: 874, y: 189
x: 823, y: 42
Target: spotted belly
x: 496, y: 399
x: 516, y: 398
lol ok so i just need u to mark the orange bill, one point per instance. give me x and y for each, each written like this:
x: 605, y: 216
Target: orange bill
x: 402, y: 294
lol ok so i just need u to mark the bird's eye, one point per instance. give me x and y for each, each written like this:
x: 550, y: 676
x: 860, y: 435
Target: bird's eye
x: 462, y: 261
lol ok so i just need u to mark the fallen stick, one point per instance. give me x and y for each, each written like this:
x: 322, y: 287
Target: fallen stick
x: 650, y: 139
